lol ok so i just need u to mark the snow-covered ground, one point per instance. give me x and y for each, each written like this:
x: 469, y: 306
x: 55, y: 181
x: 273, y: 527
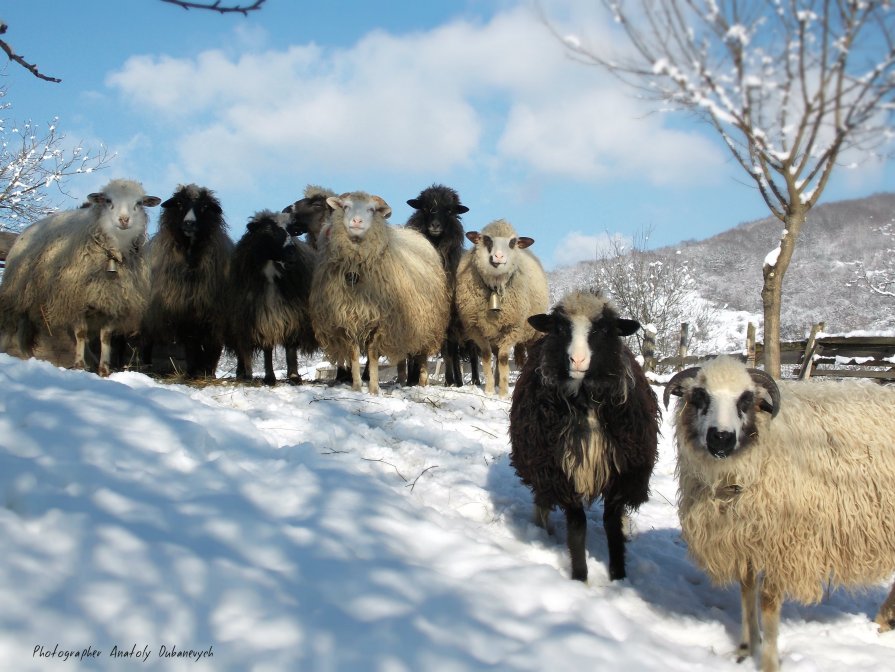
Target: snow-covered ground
x: 314, y: 528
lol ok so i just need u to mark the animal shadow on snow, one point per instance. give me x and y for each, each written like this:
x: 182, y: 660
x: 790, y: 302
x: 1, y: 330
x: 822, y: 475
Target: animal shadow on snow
x: 658, y: 567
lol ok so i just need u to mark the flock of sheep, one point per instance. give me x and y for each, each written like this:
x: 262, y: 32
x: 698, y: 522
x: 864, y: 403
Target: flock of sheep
x: 784, y: 487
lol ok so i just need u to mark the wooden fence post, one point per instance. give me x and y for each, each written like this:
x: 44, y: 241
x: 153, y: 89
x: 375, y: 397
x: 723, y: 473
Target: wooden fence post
x: 810, y: 349
x: 649, y: 348
x: 683, y: 344
x: 750, y: 345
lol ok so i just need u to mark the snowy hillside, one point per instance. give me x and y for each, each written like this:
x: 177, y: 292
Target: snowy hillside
x: 315, y: 528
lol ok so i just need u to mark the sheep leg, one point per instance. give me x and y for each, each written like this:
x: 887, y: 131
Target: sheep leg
x: 270, y: 378
x: 886, y: 616
x: 80, y: 345
x: 25, y: 337
x: 750, y: 639
x: 771, y: 602
x: 292, y: 374
x: 542, y: 518
x: 105, y: 352
x: 402, y: 371
x: 373, y: 365
x: 244, y: 367
x: 613, y: 515
x: 355, y: 368
x: 503, y: 372
x: 473, y: 351
x: 486, y: 370
x: 421, y: 365
x: 576, y: 531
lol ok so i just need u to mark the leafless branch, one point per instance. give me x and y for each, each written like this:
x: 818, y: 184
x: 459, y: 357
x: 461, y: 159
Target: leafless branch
x: 216, y: 6
x: 14, y: 57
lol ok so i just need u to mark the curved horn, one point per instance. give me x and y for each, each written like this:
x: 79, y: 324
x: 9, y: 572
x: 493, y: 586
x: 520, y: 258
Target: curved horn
x: 675, y: 385
x: 764, y: 379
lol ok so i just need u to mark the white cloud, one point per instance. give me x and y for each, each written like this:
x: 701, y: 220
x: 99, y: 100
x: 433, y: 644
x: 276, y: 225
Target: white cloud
x: 577, y: 246
x: 502, y: 92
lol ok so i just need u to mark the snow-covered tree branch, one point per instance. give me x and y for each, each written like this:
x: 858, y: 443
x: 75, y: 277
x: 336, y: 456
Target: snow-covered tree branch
x: 34, y: 160
x: 791, y: 86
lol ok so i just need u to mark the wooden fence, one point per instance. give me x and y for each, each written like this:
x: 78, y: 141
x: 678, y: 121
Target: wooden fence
x: 818, y: 355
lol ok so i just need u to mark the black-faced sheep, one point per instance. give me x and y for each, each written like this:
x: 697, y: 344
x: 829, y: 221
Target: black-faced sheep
x: 80, y: 272
x: 584, y: 423
x: 785, y: 487
x: 189, y: 262
x: 377, y: 289
x: 310, y: 215
x: 270, y: 281
x: 436, y: 215
x: 499, y: 285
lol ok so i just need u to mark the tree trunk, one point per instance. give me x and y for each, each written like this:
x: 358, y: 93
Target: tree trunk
x: 772, y: 290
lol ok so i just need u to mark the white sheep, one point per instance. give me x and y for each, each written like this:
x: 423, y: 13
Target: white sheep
x: 377, y: 289
x: 785, y: 487
x: 500, y: 284
x: 80, y: 272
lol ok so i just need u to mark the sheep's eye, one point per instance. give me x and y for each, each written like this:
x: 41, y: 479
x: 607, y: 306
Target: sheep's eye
x: 512, y: 243
x: 700, y: 399
x: 745, y: 402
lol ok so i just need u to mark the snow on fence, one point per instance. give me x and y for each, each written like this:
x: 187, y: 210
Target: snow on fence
x: 848, y: 356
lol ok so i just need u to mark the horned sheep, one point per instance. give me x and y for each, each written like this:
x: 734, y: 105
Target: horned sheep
x: 584, y: 423
x: 189, y: 262
x: 377, y: 289
x: 784, y: 487
x: 80, y: 272
x: 499, y: 285
x: 269, y: 288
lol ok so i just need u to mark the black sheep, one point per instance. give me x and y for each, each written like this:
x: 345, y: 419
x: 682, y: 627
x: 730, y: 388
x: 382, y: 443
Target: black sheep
x: 189, y: 261
x: 584, y: 423
x: 437, y: 217
x: 310, y: 214
x: 270, y: 279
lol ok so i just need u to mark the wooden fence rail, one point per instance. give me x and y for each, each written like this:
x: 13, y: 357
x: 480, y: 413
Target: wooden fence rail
x: 818, y: 355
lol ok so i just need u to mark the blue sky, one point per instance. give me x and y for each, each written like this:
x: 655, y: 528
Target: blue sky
x: 386, y: 98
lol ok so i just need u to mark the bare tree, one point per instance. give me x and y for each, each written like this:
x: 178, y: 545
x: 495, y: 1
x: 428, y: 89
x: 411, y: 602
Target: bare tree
x: 789, y: 85
x: 879, y: 274
x: 33, y: 160
x: 214, y: 6
x: 654, y: 289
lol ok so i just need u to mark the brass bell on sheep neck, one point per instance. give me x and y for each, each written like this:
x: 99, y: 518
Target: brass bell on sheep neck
x: 112, y: 266
x: 494, y: 303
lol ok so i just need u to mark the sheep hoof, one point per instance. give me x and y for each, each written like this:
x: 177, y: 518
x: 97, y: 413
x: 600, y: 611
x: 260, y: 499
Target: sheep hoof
x: 270, y: 380
x: 885, y: 624
x: 294, y: 379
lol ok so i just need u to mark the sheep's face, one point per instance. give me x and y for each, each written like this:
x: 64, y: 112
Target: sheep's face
x: 192, y: 213
x: 308, y: 215
x: 437, y: 212
x: 269, y: 238
x: 121, y: 205
x: 496, y: 253
x: 720, y: 403
x: 360, y: 211
x: 582, y: 342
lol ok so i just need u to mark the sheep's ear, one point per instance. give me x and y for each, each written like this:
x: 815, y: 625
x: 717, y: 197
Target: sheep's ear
x: 461, y: 209
x: 334, y: 202
x: 524, y: 241
x: 288, y: 209
x: 627, y: 327
x: 382, y: 207
x: 171, y: 201
x: 215, y: 207
x: 97, y: 198
x: 473, y: 237
x: 415, y: 203
x: 541, y: 322
x: 150, y: 201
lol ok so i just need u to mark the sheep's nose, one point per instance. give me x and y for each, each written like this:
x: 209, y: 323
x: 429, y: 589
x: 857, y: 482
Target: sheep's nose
x: 124, y: 220
x: 720, y: 442
x: 578, y: 362
x: 498, y: 257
